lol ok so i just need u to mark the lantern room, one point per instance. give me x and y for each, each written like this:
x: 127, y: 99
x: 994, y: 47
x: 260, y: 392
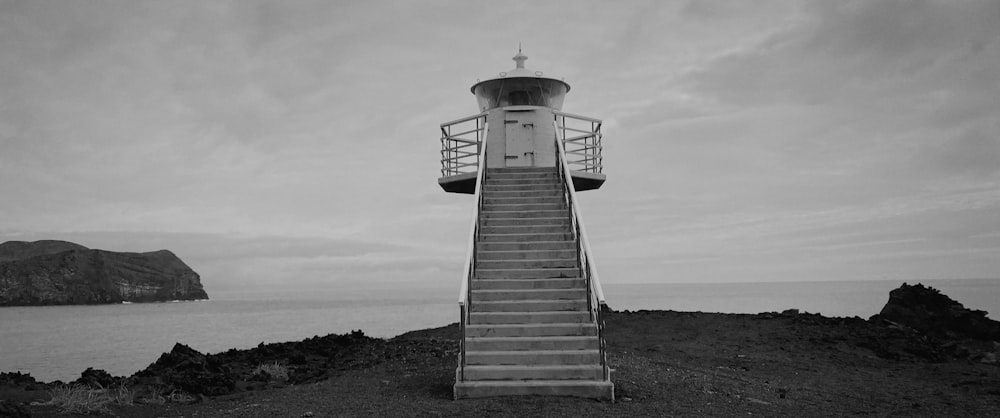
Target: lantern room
x: 520, y: 119
x: 520, y: 87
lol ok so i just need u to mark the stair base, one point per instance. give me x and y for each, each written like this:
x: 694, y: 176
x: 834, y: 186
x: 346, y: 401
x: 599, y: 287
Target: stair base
x: 591, y: 389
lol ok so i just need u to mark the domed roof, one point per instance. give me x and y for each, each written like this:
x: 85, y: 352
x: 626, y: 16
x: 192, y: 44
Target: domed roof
x: 519, y: 72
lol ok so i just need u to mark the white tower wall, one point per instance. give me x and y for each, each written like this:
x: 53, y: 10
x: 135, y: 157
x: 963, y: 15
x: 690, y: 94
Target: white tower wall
x: 520, y: 136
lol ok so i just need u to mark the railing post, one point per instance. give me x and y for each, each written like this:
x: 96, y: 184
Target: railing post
x: 461, y: 343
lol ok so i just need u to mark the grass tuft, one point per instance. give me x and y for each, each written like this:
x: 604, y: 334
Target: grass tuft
x: 81, y: 399
x: 273, y: 371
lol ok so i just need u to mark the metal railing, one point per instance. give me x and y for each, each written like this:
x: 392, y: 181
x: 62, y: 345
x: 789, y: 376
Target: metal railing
x: 460, y: 144
x: 595, y: 294
x: 468, y: 273
x: 581, y: 139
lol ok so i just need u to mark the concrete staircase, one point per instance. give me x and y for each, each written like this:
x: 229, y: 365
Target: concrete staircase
x: 530, y: 331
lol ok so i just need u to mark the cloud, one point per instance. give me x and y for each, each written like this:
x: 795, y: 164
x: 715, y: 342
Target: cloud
x: 299, y: 139
x: 836, y: 52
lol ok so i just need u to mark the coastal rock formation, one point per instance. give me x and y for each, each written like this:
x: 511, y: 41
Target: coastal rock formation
x: 934, y: 314
x: 936, y: 327
x: 64, y: 273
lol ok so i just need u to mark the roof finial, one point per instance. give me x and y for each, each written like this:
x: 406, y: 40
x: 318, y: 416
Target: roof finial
x: 520, y: 58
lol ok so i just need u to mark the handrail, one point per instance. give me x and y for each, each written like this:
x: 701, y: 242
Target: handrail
x: 588, y: 144
x: 579, y: 219
x: 469, y: 271
x: 575, y: 116
x: 588, y: 269
x: 465, y: 119
x: 455, y: 157
x: 470, y: 249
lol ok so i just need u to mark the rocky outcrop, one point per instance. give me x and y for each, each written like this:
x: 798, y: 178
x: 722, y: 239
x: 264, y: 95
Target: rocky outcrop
x: 303, y: 362
x: 945, y: 327
x: 64, y: 273
x: 927, y: 310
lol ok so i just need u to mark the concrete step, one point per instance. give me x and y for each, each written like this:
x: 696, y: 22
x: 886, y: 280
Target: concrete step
x: 491, y: 188
x: 552, y: 175
x: 527, y: 264
x: 528, y: 357
x: 562, y: 220
x: 530, y: 330
x: 531, y: 343
x: 529, y: 273
x: 524, y: 229
x: 534, y: 192
x: 551, y: 181
x: 603, y: 390
x: 528, y: 294
x: 527, y: 246
x: 527, y: 255
x: 489, y: 214
x: 525, y: 284
x: 573, y: 305
x: 514, y: 200
x: 536, y: 237
x: 520, y: 170
x: 551, y: 317
x: 535, y: 372
x: 522, y: 207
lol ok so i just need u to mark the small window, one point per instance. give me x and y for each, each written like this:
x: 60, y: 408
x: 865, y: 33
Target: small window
x: 520, y: 98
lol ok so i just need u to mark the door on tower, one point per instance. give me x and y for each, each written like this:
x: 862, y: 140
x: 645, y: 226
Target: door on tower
x: 520, y: 131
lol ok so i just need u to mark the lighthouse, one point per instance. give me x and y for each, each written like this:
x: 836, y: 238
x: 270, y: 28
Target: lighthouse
x: 524, y: 110
x: 530, y: 299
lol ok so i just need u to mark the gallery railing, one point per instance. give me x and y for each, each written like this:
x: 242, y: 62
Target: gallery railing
x: 460, y: 148
x: 581, y: 139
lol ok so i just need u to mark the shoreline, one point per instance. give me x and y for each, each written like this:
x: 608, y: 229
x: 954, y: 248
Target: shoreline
x: 667, y: 362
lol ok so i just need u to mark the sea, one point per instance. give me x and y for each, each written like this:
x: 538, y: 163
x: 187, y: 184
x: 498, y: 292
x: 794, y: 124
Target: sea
x: 59, y: 342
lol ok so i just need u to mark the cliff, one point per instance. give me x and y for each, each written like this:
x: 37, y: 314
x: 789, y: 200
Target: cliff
x: 64, y: 273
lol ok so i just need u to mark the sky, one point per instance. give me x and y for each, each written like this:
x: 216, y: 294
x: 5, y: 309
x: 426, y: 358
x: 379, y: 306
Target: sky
x: 295, y: 144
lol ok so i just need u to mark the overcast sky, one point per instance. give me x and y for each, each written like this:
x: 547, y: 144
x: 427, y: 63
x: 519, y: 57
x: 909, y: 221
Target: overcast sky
x: 297, y: 144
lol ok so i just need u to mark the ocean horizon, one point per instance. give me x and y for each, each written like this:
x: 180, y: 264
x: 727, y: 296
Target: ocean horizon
x: 60, y: 342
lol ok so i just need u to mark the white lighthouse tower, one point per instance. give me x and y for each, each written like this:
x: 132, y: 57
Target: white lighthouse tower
x: 524, y: 110
x: 530, y: 301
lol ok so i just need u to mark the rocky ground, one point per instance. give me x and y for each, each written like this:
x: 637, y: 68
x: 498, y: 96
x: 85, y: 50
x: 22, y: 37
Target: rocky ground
x: 923, y: 355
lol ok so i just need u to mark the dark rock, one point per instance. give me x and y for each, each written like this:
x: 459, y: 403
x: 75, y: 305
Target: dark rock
x: 296, y: 358
x: 789, y: 312
x: 187, y: 369
x: 920, y: 322
x: 307, y: 361
x: 179, y: 358
x: 98, y: 378
x: 17, y: 379
x: 930, y: 312
x: 13, y: 410
x: 64, y: 273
